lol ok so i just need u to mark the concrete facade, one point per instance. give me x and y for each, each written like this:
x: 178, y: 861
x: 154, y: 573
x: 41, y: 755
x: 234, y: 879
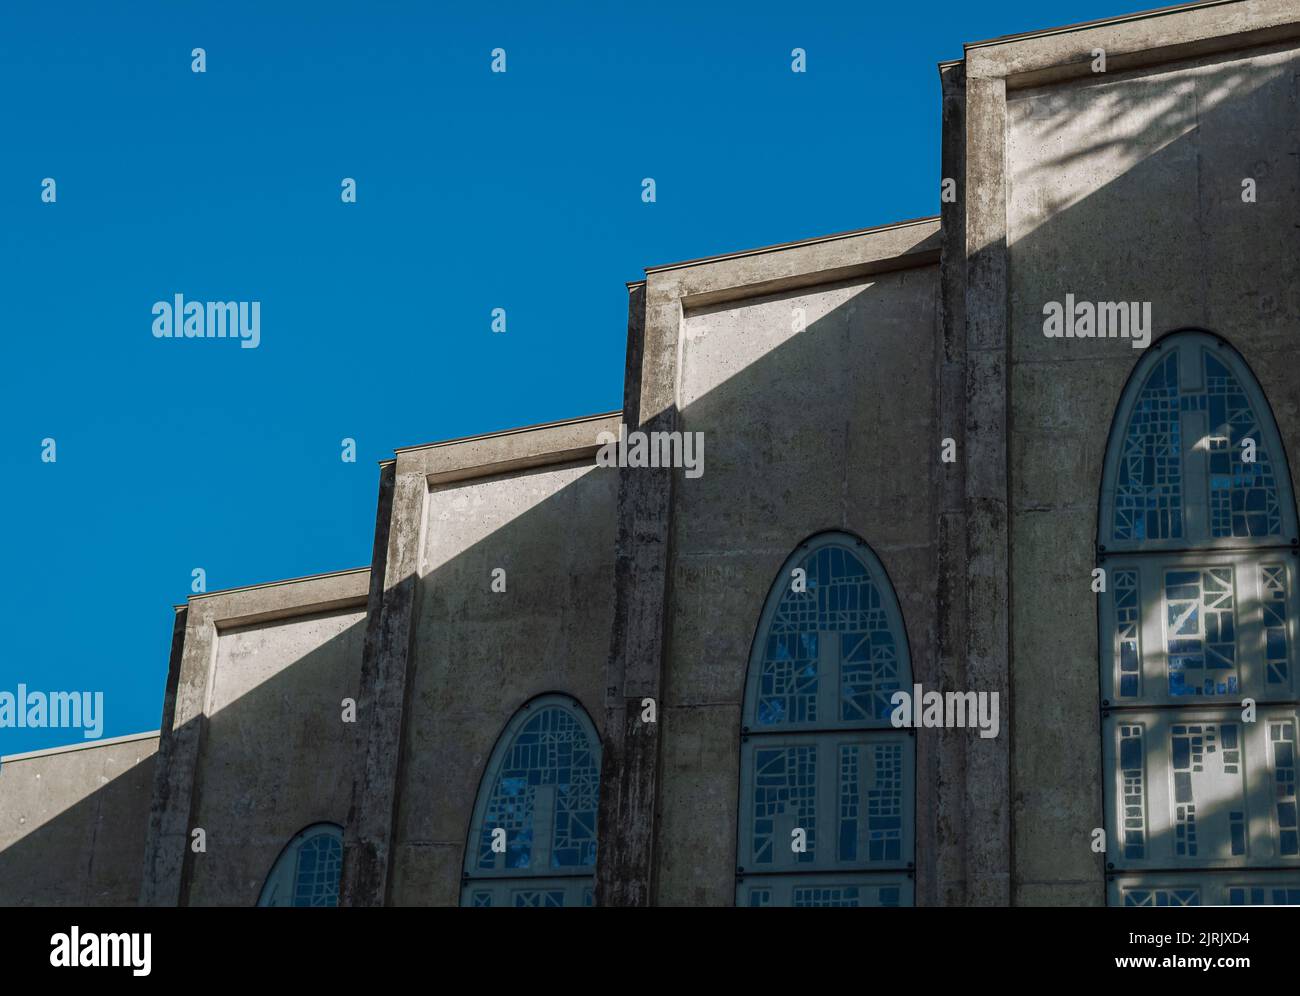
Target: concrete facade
x: 88, y: 801
x: 826, y: 377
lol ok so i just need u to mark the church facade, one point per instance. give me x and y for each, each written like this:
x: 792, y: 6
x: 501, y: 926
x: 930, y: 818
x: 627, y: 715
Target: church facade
x: 948, y: 562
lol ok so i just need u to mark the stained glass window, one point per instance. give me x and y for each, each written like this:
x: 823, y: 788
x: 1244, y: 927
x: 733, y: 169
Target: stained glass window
x: 1196, y: 535
x: 827, y: 783
x: 307, y: 871
x: 533, y: 839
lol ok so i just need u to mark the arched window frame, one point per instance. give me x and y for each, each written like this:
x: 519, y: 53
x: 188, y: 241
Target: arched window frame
x: 1159, y: 733
x: 540, y: 884
x: 787, y: 879
x: 286, y: 883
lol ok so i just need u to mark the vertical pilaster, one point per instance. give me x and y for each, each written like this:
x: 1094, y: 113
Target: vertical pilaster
x: 174, y: 791
x: 386, y: 663
x: 631, y: 769
x: 941, y: 876
x: 988, y: 770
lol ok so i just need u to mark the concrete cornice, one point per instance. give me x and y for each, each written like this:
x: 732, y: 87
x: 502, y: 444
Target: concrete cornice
x: 794, y: 265
x: 783, y: 246
x: 274, y: 600
x: 507, y: 451
x: 1133, y: 41
x: 67, y: 748
x: 1100, y: 22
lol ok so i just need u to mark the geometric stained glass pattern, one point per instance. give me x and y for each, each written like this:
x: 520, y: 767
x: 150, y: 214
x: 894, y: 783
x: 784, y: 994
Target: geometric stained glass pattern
x: 1283, y: 744
x: 785, y: 799
x: 1132, y: 772
x: 550, y: 776
x: 1200, y: 631
x: 1221, y: 889
x: 1128, y: 625
x: 1195, y: 534
x: 1197, y: 774
x: 320, y: 862
x: 306, y: 874
x: 1243, y: 496
x: 1162, y: 897
x: 826, y: 781
x: 826, y: 891
x: 1263, y: 895
x: 537, y: 812
x: 863, y: 806
x: 1274, y: 596
x: 1210, y: 791
x: 1153, y: 484
x: 1148, y: 488
x: 838, y: 624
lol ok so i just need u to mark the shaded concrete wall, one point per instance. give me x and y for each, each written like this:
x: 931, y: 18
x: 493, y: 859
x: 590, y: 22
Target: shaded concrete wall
x: 1126, y: 187
x: 478, y: 655
x: 254, y: 744
x: 276, y: 755
x: 828, y: 426
x: 72, y: 823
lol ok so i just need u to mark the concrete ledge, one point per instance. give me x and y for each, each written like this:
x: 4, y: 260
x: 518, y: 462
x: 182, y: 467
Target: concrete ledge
x: 794, y: 265
x: 87, y: 745
x: 511, y: 450
x: 284, y: 599
x: 1132, y: 42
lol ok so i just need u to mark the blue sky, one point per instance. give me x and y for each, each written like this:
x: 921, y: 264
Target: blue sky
x: 474, y: 191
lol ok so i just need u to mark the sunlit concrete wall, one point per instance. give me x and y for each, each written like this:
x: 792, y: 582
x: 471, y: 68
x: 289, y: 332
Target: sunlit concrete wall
x: 256, y: 745
x: 276, y: 755
x: 817, y: 398
x: 478, y: 655
x: 72, y: 823
x: 1123, y: 186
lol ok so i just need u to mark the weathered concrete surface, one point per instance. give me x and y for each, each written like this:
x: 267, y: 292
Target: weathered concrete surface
x: 255, y: 747
x: 478, y: 655
x: 1124, y: 187
x: 988, y: 769
x: 946, y: 767
x: 276, y: 755
x: 388, y: 860
x: 631, y: 760
x: 361, y: 877
x: 828, y: 424
x: 387, y: 650
x: 72, y: 823
x: 1148, y: 38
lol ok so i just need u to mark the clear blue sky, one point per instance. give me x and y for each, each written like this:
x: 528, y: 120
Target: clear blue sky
x: 475, y: 191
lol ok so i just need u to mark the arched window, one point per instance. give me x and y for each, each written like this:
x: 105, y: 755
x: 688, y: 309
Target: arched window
x: 827, y: 785
x: 532, y: 841
x: 1197, y: 538
x: 307, y: 871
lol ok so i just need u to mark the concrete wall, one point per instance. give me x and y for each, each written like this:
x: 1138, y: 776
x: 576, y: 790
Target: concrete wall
x: 72, y: 823
x: 479, y: 655
x: 818, y: 401
x: 276, y: 756
x: 255, y: 746
x: 1125, y: 186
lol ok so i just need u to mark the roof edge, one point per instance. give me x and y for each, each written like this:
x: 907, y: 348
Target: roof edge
x: 510, y: 432
x: 1140, y: 15
x: 778, y: 247
x: 67, y: 748
x: 274, y: 584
